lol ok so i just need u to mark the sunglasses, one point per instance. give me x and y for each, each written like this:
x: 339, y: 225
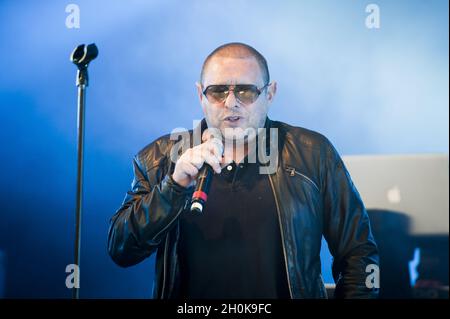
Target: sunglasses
x: 245, y: 93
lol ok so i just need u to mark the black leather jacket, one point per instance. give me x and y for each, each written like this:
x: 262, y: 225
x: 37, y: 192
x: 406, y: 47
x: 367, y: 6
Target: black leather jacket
x: 314, y: 196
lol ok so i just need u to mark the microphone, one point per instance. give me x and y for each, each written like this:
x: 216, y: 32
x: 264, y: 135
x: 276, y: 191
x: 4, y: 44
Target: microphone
x: 200, y: 194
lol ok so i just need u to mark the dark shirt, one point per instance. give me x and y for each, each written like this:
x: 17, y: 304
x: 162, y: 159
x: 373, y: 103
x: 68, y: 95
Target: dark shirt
x: 233, y: 249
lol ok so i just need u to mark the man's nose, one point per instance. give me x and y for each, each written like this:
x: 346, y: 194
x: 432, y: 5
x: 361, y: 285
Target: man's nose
x: 231, y: 101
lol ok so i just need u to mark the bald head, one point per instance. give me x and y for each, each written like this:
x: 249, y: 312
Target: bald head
x: 239, y: 51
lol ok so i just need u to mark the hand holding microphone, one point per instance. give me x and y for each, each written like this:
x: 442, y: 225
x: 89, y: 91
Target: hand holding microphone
x: 197, y: 165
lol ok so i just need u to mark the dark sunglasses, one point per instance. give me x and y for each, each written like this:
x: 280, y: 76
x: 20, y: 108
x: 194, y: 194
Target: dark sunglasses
x: 245, y: 93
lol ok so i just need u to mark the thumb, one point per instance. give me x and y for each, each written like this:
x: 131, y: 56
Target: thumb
x: 211, y: 133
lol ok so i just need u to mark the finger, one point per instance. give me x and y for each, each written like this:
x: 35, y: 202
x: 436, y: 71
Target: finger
x: 213, y: 162
x: 197, y: 159
x: 215, y: 148
x: 188, y: 155
x: 190, y: 169
x: 211, y: 133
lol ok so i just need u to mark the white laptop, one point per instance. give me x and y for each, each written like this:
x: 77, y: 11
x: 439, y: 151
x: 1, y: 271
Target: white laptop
x: 416, y: 185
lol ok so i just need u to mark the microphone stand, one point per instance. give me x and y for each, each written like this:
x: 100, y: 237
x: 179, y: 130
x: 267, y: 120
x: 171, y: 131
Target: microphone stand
x: 81, y: 57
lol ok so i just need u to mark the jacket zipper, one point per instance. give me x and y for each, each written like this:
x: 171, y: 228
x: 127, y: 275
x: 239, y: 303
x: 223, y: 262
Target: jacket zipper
x: 172, y: 221
x: 292, y: 171
x: 165, y: 251
x: 164, y: 266
x: 282, y: 236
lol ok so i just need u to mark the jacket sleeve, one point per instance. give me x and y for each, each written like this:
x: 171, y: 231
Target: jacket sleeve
x: 145, y: 216
x: 348, y: 233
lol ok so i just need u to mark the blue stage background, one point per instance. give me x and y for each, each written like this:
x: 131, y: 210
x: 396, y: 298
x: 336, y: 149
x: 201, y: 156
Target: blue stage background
x: 370, y: 91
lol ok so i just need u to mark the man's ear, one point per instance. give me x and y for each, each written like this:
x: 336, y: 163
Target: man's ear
x: 271, y: 91
x: 199, y: 91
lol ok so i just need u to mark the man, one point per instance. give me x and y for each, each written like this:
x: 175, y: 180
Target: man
x: 259, y: 235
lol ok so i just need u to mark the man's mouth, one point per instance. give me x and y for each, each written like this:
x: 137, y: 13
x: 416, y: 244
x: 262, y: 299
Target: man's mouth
x: 232, y: 119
